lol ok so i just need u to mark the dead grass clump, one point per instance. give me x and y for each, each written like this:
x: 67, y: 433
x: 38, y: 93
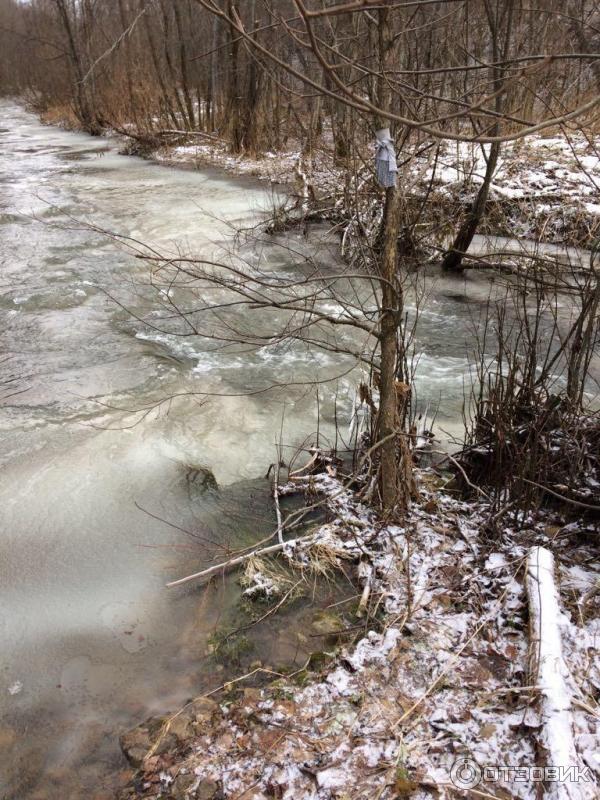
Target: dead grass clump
x: 62, y: 116
x: 266, y: 579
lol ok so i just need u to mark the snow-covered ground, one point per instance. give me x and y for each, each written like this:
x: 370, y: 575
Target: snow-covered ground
x: 546, y: 188
x: 436, y: 697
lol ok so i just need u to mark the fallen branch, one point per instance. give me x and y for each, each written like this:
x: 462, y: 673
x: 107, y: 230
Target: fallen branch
x: 562, y: 497
x: 550, y: 673
x: 203, y: 134
x: 277, y: 508
x: 367, y: 573
x: 234, y: 562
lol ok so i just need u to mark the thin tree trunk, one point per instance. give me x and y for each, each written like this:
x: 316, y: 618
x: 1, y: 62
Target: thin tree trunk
x: 233, y: 88
x: 183, y: 65
x: 394, y: 493
x: 453, y: 259
x: 391, y: 305
x: 251, y: 100
x: 86, y: 114
x: 166, y: 98
x: 185, y: 122
x: 586, y: 42
x: 128, y: 66
x: 211, y: 100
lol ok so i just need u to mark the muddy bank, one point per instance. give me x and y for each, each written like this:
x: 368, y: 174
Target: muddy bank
x: 545, y: 187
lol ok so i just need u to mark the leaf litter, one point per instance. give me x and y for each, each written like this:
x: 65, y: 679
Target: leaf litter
x: 440, y: 673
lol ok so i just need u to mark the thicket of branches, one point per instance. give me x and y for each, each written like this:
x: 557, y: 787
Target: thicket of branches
x: 258, y: 72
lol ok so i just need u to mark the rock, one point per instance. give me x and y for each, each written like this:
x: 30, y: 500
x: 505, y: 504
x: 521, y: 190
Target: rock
x: 166, y: 743
x: 202, y: 710
x: 181, y: 727
x: 136, y: 742
x: 327, y: 624
x: 201, y: 478
x: 207, y: 790
x: 181, y: 784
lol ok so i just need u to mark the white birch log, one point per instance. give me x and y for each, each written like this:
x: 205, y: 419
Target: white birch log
x: 550, y: 674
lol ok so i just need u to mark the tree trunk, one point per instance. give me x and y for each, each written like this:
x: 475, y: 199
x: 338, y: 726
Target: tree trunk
x: 183, y: 66
x: 165, y: 97
x: 394, y: 490
x: 234, y: 111
x: 500, y: 22
x: 211, y: 100
x: 453, y: 258
x: 391, y: 310
x: 251, y: 96
x: 85, y: 111
x: 587, y: 41
x: 185, y: 121
x: 133, y: 111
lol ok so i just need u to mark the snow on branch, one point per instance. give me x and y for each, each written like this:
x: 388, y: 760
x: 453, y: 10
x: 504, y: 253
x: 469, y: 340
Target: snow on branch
x: 550, y: 674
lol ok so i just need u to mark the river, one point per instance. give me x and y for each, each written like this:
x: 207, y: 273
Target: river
x: 90, y: 640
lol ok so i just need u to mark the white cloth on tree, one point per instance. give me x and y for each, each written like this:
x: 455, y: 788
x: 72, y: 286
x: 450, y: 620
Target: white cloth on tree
x: 385, y: 159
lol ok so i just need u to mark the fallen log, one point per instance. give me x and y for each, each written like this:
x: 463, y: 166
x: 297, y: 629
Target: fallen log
x: 550, y: 676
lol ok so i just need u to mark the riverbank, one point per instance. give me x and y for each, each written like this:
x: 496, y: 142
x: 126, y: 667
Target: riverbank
x: 545, y: 187
x: 439, y: 669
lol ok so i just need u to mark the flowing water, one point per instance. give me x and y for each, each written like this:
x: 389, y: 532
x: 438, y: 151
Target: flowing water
x: 90, y: 640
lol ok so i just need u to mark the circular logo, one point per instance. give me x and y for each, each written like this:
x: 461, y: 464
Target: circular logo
x: 465, y: 773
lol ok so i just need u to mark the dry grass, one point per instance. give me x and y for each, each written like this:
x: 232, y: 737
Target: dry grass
x: 62, y: 116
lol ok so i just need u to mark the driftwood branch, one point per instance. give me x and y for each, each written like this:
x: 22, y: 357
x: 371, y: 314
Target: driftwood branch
x: 234, y: 562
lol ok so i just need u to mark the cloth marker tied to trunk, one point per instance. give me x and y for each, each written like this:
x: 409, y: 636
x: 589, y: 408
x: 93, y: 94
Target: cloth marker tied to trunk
x: 385, y: 159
